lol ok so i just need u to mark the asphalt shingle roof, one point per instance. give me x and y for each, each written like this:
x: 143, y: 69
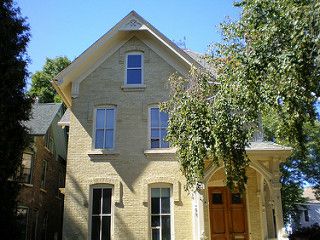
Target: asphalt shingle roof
x: 42, y: 115
x: 200, y: 58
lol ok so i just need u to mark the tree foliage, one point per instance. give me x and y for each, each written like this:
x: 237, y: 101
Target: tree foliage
x: 302, y: 167
x: 41, y: 86
x: 269, y: 61
x: 14, y: 108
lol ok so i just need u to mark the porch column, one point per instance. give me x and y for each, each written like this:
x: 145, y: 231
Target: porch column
x: 276, y: 197
x: 278, y: 210
x: 198, y: 215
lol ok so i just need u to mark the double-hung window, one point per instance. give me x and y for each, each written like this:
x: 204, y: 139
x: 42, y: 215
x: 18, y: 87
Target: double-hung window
x: 134, y: 68
x: 158, y: 128
x: 49, y: 140
x: 160, y: 214
x: 101, y: 213
x: 105, y: 128
x: 24, y: 173
x: 43, y: 174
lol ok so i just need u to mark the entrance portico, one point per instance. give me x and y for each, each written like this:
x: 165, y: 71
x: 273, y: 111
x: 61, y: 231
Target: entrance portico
x: 257, y: 213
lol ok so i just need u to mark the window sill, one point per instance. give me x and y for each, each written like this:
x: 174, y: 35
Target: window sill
x: 48, y: 150
x: 27, y: 184
x: 43, y: 190
x: 133, y: 87
x: 102, y: 152
x: 160, y: 151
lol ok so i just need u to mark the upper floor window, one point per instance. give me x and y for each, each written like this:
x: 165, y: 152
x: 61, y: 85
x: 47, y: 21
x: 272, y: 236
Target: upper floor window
x: 49, y: 140
x: 24, y: 173
x: 100, y: 218
x: 158, y: 128
x: 104, y: 128
x: 134, y: 68
x: 43, y: 174
x: 161, y: 213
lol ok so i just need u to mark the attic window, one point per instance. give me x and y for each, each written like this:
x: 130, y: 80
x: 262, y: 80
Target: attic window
x: 134, y: 68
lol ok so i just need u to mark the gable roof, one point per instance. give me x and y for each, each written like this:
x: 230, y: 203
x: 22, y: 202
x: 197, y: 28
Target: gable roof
x: 42, y: 115
x: 91, y: 58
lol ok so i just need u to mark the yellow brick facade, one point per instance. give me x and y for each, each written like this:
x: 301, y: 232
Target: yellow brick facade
x: 127, y: 167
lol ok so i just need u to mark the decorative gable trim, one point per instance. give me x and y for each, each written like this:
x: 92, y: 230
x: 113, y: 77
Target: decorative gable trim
x: 133, y: 25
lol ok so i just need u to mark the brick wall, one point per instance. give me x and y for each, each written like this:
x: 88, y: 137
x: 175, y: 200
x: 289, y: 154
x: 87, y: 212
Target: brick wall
x: 41, y: 201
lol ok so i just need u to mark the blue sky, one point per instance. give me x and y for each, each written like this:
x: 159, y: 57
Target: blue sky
x: 68, y: 27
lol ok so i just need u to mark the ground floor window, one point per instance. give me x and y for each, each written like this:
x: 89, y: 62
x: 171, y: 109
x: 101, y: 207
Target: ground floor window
x: 101, y: 213
x: 22, y: 217
x: 160, y: 213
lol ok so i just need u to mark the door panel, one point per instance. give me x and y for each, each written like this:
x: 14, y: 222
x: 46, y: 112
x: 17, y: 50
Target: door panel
x: 237, y: 219
x: 227, y: 214
x: 217, y: 225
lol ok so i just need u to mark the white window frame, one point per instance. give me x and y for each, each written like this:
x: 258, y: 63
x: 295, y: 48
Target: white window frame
x: 149, y: 128
x: 126, y: 69
x: 94, y: 127
x: 27, y: 221
x: 162, y: 185
x: 100, y: 186
x: 45, y: 175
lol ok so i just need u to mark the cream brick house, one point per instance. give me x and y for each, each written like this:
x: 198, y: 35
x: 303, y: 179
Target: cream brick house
x: 123, y: 180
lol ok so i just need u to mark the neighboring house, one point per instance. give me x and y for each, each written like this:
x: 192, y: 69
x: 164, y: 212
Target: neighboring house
x: 309, y: 211
x: 123, y: 179
x: 42, y: 173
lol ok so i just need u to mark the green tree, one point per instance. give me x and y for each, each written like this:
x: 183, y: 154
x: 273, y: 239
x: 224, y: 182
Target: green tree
x: 41, y: 86
x: 269, y: 61
x: 14, y: 108
x: 300, y: 167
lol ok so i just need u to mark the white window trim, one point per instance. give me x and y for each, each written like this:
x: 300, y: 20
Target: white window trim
x: 126, y: 84
x: 94, y: 128
x: 27, y: 222
x: 162, y: 185
x: 99, y: 186
x: 149, y: 131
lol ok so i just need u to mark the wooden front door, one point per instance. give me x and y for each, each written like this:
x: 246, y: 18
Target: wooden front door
x: 227, y: 214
